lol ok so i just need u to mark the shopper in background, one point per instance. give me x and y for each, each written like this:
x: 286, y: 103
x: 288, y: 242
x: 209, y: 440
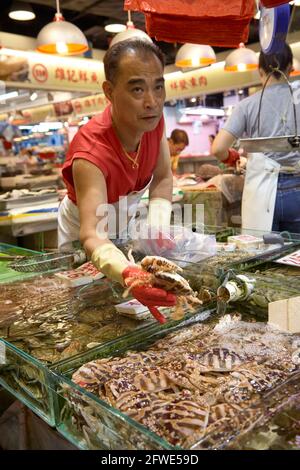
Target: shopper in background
x: 120, y: 152
x: 29, y: 160
x: 211, y: 139
x: 178, y: 140
x: 271, y: 197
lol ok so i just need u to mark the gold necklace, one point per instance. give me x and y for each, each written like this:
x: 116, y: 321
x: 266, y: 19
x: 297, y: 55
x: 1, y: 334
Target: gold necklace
x: 134, y: 161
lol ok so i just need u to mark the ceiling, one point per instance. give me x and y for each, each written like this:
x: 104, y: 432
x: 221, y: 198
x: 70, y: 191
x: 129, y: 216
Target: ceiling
x: 90, y: 16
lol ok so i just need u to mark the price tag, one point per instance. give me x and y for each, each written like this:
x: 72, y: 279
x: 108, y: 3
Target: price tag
x: 293, y: 259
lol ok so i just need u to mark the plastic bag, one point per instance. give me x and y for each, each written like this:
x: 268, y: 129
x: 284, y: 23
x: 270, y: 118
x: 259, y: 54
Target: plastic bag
x: 210, y: 22
x: 209, y: 8
x: 178, y: 243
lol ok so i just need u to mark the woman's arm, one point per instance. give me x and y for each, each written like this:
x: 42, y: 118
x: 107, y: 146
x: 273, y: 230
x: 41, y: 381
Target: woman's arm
x: 222, y: 143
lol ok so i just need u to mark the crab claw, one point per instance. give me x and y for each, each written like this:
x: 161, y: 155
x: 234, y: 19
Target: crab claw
x: 154, y: 296
x: 157, y: 315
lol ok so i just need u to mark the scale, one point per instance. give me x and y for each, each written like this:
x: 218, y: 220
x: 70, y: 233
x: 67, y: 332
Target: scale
x: 284, y: 144
x: 273, y: 28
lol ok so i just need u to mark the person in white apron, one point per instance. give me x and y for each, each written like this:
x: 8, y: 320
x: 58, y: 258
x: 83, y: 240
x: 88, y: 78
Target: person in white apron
x: 113, y: 159
x: 271, y: 195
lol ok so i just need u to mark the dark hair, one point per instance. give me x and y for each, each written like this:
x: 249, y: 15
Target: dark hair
x: 179, y: 136
x: 114, y: 55
x: 212, y: 136
x: 280, y: 60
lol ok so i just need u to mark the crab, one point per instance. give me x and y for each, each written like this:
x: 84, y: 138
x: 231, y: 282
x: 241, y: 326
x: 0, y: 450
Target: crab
x: 154, y: 264
x: 162, y: 273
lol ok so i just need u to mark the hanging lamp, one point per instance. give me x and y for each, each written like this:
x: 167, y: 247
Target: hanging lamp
x: 21, y: 11
x: 115, y: 28
x: 131, y: 32
x: 242, y: 59
x: 61, y: 37
x: 195, y: 55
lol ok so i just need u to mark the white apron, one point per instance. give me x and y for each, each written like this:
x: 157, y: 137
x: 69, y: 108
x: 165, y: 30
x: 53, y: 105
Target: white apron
x: 69, y: 225
x: 259, y: 194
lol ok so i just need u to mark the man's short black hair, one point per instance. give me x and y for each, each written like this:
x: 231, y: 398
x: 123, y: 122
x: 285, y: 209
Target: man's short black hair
x: 114, y: 55
x: 179, y: 136
x: 281, y: 60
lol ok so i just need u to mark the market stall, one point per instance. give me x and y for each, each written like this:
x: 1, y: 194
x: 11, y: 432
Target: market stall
x: 84, y: 364
x: 42, y: 338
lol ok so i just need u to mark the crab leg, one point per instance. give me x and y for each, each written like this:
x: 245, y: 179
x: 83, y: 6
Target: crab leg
x: 157, y: 315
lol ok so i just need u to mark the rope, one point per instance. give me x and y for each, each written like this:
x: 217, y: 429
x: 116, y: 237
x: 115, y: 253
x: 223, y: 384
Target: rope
x: 276, y: 69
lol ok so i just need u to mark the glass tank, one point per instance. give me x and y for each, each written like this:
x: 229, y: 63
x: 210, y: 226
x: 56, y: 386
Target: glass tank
x: 197, y: 385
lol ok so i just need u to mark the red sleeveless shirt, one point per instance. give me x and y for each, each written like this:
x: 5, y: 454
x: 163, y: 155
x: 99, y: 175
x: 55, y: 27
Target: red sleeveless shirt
x: 97, y: 142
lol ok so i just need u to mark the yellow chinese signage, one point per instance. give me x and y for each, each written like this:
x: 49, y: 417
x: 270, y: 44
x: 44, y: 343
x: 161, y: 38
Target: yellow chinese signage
x: 25, y: 69
x: 34, y: 70
x: 207, y: 80
x: 80, y: 107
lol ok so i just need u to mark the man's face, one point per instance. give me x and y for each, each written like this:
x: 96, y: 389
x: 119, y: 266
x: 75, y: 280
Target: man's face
x: 176, y: 149
x: 138, y: 94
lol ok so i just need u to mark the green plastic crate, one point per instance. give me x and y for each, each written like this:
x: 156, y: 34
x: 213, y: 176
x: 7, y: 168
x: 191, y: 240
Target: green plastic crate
x: 7, y: 274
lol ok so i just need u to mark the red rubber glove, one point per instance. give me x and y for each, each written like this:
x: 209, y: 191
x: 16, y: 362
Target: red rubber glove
x: 149, y: 296
x: 233, y: 157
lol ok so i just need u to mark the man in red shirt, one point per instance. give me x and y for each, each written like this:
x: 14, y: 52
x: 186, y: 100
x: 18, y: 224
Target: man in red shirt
x: 120, y: 153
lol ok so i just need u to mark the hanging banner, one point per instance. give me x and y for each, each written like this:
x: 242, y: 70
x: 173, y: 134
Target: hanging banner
x: 40, y: 71
x: 27, y: 69
x: 213, y: 79
x: 88, y: 105
x: 31, y: 69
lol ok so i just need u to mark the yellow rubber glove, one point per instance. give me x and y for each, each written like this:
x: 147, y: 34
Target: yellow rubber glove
x: 159, y: 212
x: 110, y: 261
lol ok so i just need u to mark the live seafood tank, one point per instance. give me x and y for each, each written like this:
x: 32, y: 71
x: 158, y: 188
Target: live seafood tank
x: 42, y: 322
x: 205, y: 276
x: 267, y: 287
x: 201, y: 385
x: 279, y: 426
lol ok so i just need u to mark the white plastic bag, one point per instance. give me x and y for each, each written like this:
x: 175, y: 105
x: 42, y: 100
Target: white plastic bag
x: 177, y: 242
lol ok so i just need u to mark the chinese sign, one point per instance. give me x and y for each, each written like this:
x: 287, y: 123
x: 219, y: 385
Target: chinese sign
x: 51, y: 72
x: 206, y: 80
x: 79, y: 106
x: 32, y: 69
x: 189, y: 84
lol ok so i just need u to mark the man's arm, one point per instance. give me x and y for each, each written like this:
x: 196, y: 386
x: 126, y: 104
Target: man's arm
x: 160, y: 193
x: 91, y: 191
x: 90, y: 187
x: 162, y: 183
